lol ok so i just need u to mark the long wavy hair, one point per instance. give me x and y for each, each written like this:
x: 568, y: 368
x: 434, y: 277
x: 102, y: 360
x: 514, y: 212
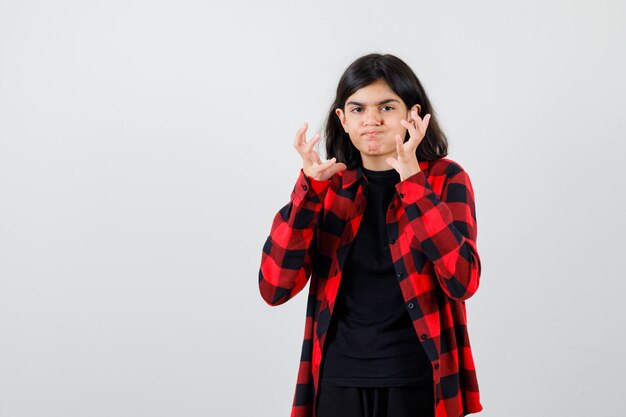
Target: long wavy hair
x: 403, y: 81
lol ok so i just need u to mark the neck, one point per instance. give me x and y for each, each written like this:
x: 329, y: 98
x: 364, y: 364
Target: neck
x: 376, y: 164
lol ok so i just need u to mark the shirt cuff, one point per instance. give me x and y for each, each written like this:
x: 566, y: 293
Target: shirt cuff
x: 310, y: 189
x: 414, y: 188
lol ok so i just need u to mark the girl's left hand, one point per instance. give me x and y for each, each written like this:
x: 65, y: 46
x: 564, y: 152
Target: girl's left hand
x: 407, y: 164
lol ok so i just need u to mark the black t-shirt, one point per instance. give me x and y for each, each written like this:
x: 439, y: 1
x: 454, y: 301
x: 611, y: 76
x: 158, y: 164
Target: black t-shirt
x: 371, y: 341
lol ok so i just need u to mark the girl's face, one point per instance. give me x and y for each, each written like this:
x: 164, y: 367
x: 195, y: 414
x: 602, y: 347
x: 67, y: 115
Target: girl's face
x: 371, y: 117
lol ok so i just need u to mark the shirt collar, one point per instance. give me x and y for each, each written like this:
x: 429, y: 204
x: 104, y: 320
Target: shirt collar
x: 350, y: 176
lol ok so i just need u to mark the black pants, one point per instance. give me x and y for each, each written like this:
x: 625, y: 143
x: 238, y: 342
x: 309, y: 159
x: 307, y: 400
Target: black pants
x: 375, y: 402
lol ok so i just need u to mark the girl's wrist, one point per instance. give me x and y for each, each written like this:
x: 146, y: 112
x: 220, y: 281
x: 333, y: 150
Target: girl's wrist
x: 408, y: 173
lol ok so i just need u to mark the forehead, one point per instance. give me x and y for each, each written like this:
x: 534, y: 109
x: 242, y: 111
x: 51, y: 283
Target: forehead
x: 374, y: 92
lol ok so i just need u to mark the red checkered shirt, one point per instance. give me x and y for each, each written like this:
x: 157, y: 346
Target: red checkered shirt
x: 431, y: 230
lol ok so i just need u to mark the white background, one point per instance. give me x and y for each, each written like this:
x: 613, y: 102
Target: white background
x: 145, y: 147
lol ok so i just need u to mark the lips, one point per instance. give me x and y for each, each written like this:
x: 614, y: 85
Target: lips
x: 371, y: 133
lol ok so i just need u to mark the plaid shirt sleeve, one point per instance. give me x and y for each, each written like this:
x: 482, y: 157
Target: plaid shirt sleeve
x: 287, y: 253
x: 445, y: 229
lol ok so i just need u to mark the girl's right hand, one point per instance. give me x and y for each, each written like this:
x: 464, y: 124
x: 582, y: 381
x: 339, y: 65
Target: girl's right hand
x: 311, y: 163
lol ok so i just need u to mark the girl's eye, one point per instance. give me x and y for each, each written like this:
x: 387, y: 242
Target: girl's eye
x: 356, y: 110
x: 386, y: 108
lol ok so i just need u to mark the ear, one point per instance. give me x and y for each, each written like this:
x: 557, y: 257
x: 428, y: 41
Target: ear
x: 415, y: 107
x: 342, y: 118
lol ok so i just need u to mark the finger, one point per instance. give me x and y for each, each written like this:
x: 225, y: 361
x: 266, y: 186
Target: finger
x: 316, y: 157
x: 328, y: 163
x: 333, y: 169
x: 392, y: 162
x: 423, y: 125
x: 399, y: 147
x: 407, y: 124
x: 420, y: 123
x: 322, y: 167
x: 410, y: 127
x: 300, y: 134
x: 415, y: 116
x: 341, y: 166
x: 309, y: 146
x: 306, y: 148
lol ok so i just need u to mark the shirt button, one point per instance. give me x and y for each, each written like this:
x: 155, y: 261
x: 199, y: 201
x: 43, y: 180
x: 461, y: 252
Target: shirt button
x: 401, y: 195
x: 436, y: 366
x: 424, y: 336
x: 410, y: 305
x: 400, y: 274
x: 392, y: 241
x: 304, y: 187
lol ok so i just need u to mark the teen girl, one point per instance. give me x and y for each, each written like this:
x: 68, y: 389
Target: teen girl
x: 386, y: 232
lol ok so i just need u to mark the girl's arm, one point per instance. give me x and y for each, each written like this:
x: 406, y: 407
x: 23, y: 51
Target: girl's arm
x: 445, y: 229
x: 288, y: 252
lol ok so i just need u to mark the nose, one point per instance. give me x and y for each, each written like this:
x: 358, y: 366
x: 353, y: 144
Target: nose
x: 372, y: 117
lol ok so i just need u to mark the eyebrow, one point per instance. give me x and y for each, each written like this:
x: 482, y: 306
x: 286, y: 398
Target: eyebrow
x: 356, y: 103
